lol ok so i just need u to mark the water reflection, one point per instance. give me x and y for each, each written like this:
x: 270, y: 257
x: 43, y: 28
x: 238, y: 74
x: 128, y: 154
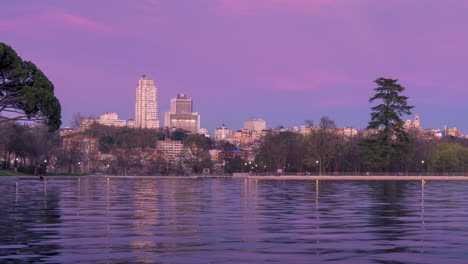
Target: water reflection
x: 147, y: 220
x: 29, y: 212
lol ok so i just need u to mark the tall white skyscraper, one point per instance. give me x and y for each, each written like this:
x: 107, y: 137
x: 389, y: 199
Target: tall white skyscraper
x: 146, y: 106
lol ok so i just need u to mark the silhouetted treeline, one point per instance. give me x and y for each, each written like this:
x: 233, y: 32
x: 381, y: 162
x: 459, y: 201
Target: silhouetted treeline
x: 327, y: 151
x: 122, y: 151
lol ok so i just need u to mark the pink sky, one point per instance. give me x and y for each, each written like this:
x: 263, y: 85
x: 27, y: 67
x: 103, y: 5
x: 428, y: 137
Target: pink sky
x: 281, y: 60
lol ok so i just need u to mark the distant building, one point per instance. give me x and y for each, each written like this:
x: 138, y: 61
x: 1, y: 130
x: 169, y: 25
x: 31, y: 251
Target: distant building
x: 182, y: 115
x: 146, y: 106
x: 350, y: 132
x: 222, y: 133
x: 131, y: 123
x: 203, y: 131
x: 451, y: 131
x: 241, y: 137
x: 171, y: 149
x: 416, y: 124
x: 111, y: 119
x: 107, y: 119
x: 65, y: 131
x: 255, y: 125
x: 432, y: 133
x: 86, y: 123
x: 305, y: 130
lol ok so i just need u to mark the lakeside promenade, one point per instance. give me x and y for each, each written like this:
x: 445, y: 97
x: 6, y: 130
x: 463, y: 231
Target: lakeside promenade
x: 349, y: 178
x: 247, y: 176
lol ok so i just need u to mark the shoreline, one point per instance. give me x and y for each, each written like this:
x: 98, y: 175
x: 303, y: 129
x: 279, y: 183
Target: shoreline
x: 248, y: 177
x: 356, y: 178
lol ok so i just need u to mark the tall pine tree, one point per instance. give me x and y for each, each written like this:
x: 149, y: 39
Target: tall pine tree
x: 389, y: 141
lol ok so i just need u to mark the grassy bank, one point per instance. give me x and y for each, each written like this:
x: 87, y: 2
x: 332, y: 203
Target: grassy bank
x: 65, y: 174
x: 12, y: 173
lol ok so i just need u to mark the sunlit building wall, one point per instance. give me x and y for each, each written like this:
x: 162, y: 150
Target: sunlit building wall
x: 181, y: 115
x: 255, y: 125
x: 146, y: 106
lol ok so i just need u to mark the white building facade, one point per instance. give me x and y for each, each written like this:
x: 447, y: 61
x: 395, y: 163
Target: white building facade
x: 111, y: 119
x: 146, y: 106
x: 222, y: 133
x: 255, y: 125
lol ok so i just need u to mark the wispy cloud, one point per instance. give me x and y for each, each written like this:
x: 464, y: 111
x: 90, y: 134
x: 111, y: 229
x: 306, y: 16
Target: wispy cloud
x: 52, y: 17
x: 76, y: 21
x: 251, y: 7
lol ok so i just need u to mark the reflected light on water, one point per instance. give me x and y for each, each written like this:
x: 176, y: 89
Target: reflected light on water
x: 147, y: 220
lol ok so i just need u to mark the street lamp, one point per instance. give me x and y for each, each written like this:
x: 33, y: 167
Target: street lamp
x: 422, y: 167
x: 320, y: 171
x: 16, y: 165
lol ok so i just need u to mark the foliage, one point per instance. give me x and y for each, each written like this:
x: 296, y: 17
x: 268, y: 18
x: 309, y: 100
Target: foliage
x: 199, y: 156
x: 323, y: 145
x: 450, y: 157
x: 282, y: 150
x: 31, y: 146
x: 227, y: 156
x: 32, y: 170
x: 390, y: 141
x: 179, y: 134
x: 25, y: 92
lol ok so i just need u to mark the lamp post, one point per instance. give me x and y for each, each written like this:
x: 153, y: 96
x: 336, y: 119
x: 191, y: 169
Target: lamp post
x: 16, y: 165
x: 422, y: 167
x: 319, y: 169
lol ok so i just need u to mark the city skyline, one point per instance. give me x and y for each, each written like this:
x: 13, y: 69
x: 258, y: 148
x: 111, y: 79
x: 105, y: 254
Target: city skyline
x: 284, y: 62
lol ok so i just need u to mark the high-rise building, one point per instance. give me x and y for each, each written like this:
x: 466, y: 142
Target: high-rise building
x: 146, y: 106
x: 181, y: 104
x: 255, y: 125
x: 182, y: 115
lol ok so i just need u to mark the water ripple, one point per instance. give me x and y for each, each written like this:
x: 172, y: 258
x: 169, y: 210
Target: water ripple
x: 145, y: 220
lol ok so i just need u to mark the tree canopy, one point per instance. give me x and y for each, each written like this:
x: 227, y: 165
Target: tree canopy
x: 25, y: 92
x: 390, y: 140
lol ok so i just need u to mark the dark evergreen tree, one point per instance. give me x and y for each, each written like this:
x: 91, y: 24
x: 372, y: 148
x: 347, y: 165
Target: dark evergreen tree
x: 25, y: 92
x: 389, y: 141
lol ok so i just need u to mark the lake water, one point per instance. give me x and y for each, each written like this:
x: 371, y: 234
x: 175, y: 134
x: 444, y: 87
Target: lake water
x: 147, y: 220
